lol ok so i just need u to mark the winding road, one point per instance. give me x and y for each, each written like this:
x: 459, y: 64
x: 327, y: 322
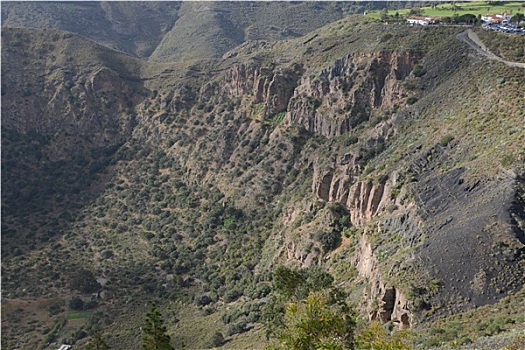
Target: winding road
x: 474, y: 42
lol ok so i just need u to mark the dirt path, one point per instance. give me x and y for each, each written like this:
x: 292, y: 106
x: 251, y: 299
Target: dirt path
x: 473, y: 41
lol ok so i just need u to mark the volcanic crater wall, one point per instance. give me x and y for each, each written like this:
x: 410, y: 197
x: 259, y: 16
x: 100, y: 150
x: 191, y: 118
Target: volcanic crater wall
x: 333, y: 102
x: 349, y: 91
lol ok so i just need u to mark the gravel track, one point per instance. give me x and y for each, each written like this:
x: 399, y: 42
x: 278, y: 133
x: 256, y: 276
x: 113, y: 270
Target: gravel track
x: 474, y: 42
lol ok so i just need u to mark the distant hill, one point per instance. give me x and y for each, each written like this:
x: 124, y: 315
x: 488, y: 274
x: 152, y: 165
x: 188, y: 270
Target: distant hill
x: 133, y: 27
x: 209, y: 29
x: 173, y: 31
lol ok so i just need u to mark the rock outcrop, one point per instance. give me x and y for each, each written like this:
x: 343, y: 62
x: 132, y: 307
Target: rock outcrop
x: 365, y: 200
x: 273, y: 88
x: 349, y: 91
x: 342, y: 183
x: 330, y: 102
x: 384, y: 302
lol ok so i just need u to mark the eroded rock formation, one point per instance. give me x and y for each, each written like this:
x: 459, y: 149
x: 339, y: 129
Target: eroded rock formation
x: 346, y: 93
x: 391, y: 305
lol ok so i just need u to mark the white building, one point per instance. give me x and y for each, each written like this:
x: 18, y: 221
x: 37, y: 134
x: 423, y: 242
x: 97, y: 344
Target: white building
x: 423, y: 21
x: 502, y: 18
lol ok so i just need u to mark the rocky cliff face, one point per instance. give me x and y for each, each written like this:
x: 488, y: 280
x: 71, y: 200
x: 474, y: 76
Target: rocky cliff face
x: 270, y: 88
x: 342, y: 182
x: 332, y: 102
x: 349, y: 91
x: 384, y: 302
x: 419, y: 216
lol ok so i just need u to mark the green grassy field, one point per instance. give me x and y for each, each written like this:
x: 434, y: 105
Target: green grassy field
x: 447, y: 9
x: 79, y: 315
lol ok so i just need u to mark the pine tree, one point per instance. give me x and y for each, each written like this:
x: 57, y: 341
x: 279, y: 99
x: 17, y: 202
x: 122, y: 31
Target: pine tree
x: 322, y: 321
x: 155, y: 336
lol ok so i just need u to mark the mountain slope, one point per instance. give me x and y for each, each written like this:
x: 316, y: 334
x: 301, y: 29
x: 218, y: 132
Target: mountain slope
x: 391, y: 156
x: 133, y: 27
x: 176, y: 31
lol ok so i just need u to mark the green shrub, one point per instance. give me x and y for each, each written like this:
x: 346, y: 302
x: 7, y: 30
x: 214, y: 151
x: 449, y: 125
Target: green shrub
x: 507, y: 160
x: 261, y: 291
x: 84, y: 281
x: 377, y: 119
x: 215, y: 340
x: 286, y: 281
x: 419, y: 71
x: 352, y: 139
x: 328, y: 239
x: 76, y: 304
x: 445, y: 140
x: 411, y: 100
x: 386, y: 37
x: 368, y: 170
x: 202, y: 300
x: 411, y: 85
x: 56, y: 308
x: 391, y: 207
x: 322, y: 321
x: 232, y: 295
x: 236, y: 328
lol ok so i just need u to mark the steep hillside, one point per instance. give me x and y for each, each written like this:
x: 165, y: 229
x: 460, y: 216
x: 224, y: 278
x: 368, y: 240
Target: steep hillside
x: 209, y: 29
x: 176, y: 30
x: 67, y: 106
x: 391, y: 156
x: 133, y: 27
